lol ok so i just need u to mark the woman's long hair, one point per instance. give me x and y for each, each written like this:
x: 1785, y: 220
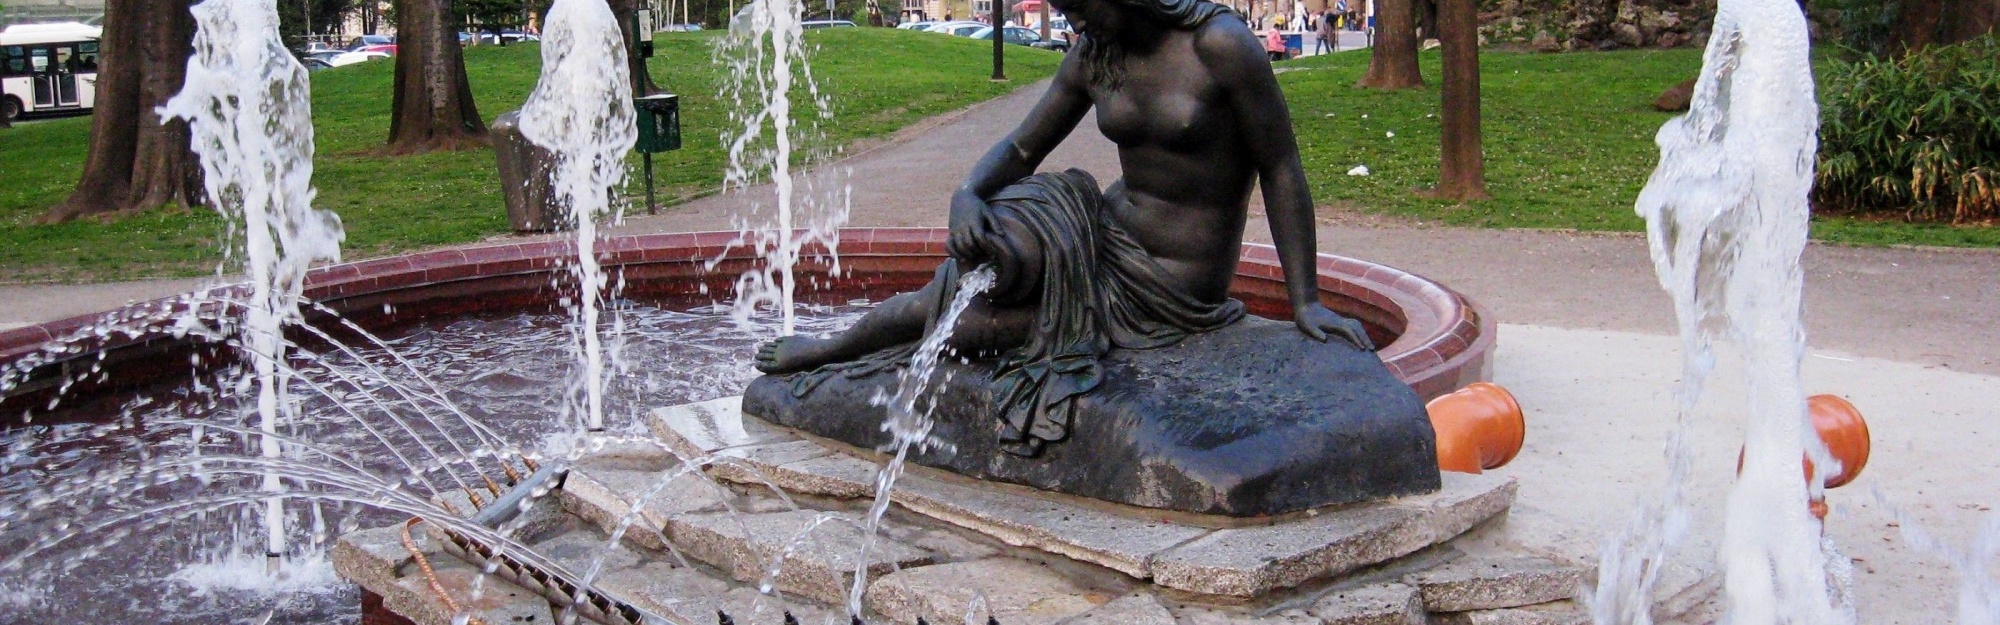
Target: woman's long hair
x: 1106, y: 59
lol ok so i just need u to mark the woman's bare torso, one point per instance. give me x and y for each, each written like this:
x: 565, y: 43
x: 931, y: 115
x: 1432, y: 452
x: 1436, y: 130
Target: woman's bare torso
x: 1181, y: 149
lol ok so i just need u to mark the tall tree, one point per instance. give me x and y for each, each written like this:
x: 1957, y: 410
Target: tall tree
x: 432, y: 108
x: 642, y: 81
x: 136, y: 162
x: 1392, y: 63
x: 1922, y: 23
x: 1462, y: 162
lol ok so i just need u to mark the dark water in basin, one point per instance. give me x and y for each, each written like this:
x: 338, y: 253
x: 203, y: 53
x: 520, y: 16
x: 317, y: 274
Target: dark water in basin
x: 188, y: 552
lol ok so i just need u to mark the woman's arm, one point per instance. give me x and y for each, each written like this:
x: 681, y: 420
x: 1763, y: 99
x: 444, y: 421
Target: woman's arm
x: 1017, y: 156
x: 1234, y: 57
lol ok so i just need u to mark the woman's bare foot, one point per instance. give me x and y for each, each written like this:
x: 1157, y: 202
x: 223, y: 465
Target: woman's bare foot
x: 788, y: 354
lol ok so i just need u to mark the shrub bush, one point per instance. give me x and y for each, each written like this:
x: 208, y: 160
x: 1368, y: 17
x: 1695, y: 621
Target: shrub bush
x: 1918, y: 134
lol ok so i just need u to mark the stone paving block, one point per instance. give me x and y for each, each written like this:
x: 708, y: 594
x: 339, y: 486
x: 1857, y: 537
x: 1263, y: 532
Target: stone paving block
x: 682, y: 595
x: 1016, y: 592
x: 1207, y: 616
x: 371, y: 558
x: 1490, y: 583
x: 757, y: 463
x: 820, y: 555
x: 490, y: 598
x: 749, y: 607
x: 578, y: 551
x: 833, y: 475
x: 603, y: 496
x: 1133, y: 609
x: 1686, y: 587
x: 699, y: 429
x: 1555, y: 613
x: 1250, y: 561
x: 1378, y: 604
x: 1119, y: 542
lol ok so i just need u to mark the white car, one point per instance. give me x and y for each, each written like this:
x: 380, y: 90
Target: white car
x: 351, y: 58
x: 959, y: 28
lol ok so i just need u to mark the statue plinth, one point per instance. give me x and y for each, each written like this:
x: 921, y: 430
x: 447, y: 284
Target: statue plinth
x: 1252, y: 419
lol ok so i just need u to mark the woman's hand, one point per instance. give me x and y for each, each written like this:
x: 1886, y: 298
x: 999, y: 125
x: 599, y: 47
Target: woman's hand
x: 1316, y: 321
x: 968, y: 227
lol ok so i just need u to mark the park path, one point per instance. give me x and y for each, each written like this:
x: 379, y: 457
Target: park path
x: 1909, y: 335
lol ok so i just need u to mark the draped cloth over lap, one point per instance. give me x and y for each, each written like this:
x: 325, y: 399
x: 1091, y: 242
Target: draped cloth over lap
x: 1056, y: 248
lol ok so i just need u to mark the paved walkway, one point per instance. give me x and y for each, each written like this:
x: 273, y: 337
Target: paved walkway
x: 1908, y: 335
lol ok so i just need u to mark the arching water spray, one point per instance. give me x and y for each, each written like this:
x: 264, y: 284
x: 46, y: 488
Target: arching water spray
x: 581, y: 111
x: 248, y: 105
x: 1727, y: 216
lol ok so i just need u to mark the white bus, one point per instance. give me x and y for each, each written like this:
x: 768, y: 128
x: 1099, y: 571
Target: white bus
x: 46, y: 68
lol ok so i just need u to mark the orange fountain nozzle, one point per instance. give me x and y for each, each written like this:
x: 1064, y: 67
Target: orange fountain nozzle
x: 1478, y: 427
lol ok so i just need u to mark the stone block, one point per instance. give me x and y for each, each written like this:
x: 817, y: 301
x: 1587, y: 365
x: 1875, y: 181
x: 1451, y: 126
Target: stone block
x: 1251, y: 419
x: 1207, y: 616
x: 699, y: 429
x: 1250, y: 561
x: 1120, y: 542
x: 1016, y: 592
x: 1377, y: 604
x: 748, y: 607
x: 1133, y: 609
x: 819, y: 551
x: 682, y: 595
x: 371, y: 558
x: 1555, y: 613
x: 1490, y: 583
x: 604, y: 497
x: 476, y: 594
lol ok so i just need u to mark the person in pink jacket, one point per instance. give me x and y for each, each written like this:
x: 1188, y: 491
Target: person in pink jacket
x: 1274, y: 43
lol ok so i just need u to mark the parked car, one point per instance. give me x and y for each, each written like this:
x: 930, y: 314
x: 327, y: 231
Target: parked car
x: 350, y: 58
x: 811, y: 24
x: 314, y: 65
x: 385, y: 49
x: 916, y: 26
x: 1015, y: 35
x: 323, y: 56
x: 369, y: 40
x: 958, y: 28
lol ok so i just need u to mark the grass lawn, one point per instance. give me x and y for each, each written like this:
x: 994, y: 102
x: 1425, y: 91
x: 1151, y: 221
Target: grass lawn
x: 879, y: 80
x: 1568, y: 138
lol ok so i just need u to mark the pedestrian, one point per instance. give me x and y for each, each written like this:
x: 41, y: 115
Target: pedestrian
x: 1326, y: 35
x: 1274, y: 43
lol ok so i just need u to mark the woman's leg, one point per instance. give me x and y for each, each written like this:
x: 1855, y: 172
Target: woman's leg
x: 985, y: 329
x: 899, y: 320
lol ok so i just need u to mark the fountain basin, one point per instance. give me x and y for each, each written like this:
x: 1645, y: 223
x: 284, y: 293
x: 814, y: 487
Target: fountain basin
x: 1432, y: 338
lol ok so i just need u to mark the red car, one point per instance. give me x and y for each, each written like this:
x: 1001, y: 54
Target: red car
x: 389, y: 49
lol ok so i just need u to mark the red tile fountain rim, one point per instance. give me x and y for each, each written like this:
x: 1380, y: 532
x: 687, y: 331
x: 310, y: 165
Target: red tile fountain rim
x: 1443, y: 341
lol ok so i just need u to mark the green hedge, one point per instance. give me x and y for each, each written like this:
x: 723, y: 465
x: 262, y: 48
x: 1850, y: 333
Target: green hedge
x: 1917, y: 135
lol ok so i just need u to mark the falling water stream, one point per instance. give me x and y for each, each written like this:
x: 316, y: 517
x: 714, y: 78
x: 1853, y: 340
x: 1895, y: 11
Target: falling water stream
x: 581, y: 111
x: 765, y: 52
x: 1727, y: 215
x: 908, y: 421
x: 247, y: 105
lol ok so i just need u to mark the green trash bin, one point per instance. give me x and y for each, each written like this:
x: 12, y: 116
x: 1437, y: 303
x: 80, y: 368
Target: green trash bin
x: 659, y: 123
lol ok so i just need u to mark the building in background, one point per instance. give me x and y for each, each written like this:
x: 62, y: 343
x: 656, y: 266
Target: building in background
x: 43, y: 11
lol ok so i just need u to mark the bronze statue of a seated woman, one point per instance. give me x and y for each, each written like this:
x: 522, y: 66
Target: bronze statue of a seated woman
x: 1186, y: 92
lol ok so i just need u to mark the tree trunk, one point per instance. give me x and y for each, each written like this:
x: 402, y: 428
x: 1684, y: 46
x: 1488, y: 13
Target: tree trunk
x: 1392, y: 63
x: 1462, y: 163
x: 135, y: 161
x: 1427, y: 19
x: 1971, y: 18
x: 642, y: 80
x: 432, y: 108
